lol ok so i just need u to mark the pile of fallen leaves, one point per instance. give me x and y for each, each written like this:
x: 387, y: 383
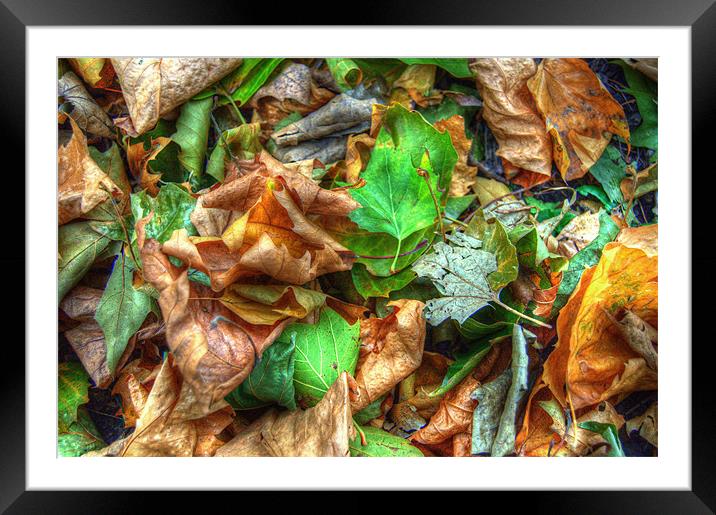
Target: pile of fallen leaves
x: 364, y: 257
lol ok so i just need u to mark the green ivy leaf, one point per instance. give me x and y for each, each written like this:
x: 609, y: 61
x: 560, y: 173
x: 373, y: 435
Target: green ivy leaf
x: 172, y: 208
x: 323, y: 351
x: 380, y: 443
x: 121, y: 311
x: 72, y: 392
x: 79, y: 246
x: 271, y: 380
x: 192, y: 134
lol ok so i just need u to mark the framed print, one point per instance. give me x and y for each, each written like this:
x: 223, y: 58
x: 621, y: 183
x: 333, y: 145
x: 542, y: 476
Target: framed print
x: 439, y: 242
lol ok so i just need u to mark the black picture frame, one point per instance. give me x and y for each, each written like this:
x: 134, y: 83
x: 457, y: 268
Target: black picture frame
x: 700, y: 15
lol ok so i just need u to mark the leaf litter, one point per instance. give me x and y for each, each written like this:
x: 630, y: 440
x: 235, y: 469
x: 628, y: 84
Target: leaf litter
x: 357, y: 257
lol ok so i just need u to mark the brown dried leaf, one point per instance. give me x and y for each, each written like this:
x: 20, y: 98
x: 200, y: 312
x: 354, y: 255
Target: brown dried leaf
x: 391, y: 350
x: 138, y: 160
x: 85, y: 111
x: 579, y: 112
x: 272, y: 238
x: 152, y: 87
x: 324, y: 430
x: 511, y: 114
x: 82, y: 184
x: 215, y: 350
x: 164, y: 429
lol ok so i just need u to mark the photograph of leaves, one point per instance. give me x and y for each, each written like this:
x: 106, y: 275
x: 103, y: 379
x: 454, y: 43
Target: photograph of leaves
x: 365, y: 257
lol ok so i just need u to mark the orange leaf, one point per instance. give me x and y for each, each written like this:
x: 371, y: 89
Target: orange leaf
x: 579, y: 112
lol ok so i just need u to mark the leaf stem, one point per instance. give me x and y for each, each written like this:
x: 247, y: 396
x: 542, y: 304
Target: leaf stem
x: 425, y: 175
x: 231, y: 100
x: 497, y: 301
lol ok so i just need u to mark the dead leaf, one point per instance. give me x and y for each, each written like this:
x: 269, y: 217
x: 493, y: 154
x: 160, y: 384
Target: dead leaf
x: 579, y: 113
x: 153, y: 87
x: 215, y: 350
x: 324, y: 430
x: 511, y: 114
x: 267, y: 304
x: 162, y: 429
x: 272, y: 238
x: 138, y: 159
x: 82, y: 184
x: 293, y: 90
x: 647, y: 424
x: 577, y: 234
x: 455, y: 412
x: 417, y: 80
x: 463, y: 176
x: 244, y: 192
x: 592, y: 361
x: 391, y: 349
x: 211, y: 221
x: 85, y: 111
x: 358, y: 151
x: 95, y: 71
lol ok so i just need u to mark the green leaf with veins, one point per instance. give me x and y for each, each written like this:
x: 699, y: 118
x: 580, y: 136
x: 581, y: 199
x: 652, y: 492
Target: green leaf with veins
x: 644, y: 91
x: 380, y: 443
x: 111, y: 163
x: 121, y: 311
x: 79, y: 245
x: 72, y: 391
x: 192, y: 134
x: 323, y: 351
x: 609, y: 171
x: 464, y: 364
x: 271, y: 380
x: 457, y: 67
x: 248, y: 79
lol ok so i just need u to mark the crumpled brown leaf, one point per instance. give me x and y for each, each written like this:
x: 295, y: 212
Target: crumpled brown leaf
x: 577, y: 234
x: 272, y: 238
x: 138, y: 159
x: 511, y: 114
x: 82, y: 184
x: 416, y: 82
x: 152, y: 87
x: 454, y: 415
x: 358, y: 149
x: 646, y: 424
x: 579, y: 113
x: 85, y: 111
x: 163, y: 429
x: 592, y: 361
x: 215, y: 350
x: 266, y: 304
x: 95, y: 71
x: 293, y: 90
x: 245, y: 191
x: 463, y: 175
x: 324, y: 430
x: 391, y: 349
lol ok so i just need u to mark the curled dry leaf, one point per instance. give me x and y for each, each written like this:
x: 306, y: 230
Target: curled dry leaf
x: 211, y: 221
x: 215, y: 350
x: 577, y: 234
x: 463, y: 176
x: 358, y: 150
x: 579, y: 112
x: 294, y: 90
x: 391, y: 350
x: 82, y: 184
x: 646, y: 424
x: 245, y: 191
x: 272, y: 238
x: 324, y: 430
x: 138, y: 159
x: 85, y: 111
x: 95, y: 71
x: 592, y: 361
x: 152, y: 87
x: 267, y: 304
x: 511, y: 114
x: 164, y: 429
